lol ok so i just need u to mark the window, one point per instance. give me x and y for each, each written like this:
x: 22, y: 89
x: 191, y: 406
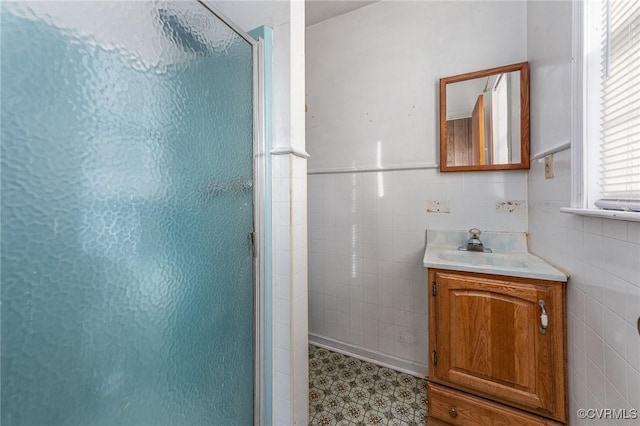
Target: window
x: 611, y: 124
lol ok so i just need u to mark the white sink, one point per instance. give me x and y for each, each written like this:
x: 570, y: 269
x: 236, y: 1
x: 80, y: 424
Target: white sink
x: 481, y: 259
x: 510, y: 256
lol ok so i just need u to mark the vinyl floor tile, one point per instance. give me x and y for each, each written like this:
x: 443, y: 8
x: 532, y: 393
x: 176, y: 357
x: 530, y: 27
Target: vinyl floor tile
x: 345, y: 391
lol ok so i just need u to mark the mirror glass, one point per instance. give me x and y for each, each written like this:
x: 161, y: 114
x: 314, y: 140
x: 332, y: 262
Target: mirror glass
x: 484, y: 120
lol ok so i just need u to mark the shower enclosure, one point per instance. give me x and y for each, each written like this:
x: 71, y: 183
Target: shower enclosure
x: 128, y: 172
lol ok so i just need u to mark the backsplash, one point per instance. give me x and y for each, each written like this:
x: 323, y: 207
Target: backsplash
x: 367, y: 284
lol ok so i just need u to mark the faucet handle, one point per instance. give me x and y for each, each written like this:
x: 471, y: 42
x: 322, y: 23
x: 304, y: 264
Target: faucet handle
x: 475, y: 232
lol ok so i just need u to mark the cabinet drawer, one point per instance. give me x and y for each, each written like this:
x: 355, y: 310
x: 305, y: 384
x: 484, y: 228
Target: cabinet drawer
x: 452, y: 407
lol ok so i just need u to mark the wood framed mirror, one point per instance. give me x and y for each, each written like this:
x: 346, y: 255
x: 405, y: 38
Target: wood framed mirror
x: 484, y: 120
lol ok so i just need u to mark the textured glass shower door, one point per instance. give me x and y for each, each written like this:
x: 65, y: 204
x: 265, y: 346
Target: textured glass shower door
x: 127, y: 201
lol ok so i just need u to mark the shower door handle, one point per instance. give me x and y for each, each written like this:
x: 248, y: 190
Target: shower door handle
x: 252, y: 243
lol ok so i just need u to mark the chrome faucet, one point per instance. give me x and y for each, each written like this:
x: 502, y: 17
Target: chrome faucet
x: 474, y: 243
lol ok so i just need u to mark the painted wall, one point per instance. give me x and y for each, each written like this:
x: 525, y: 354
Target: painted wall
x: 602, y: 255
x: 373, y: 74
x: 372, y: 92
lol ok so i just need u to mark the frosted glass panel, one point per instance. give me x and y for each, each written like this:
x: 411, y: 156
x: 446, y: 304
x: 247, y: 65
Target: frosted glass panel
x: 127, y: 278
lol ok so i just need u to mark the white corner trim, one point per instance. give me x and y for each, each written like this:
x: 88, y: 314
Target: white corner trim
x: 374, y: 357
x: 410, y: 166
x: 605, y: 214
x: 578, y: 88
x: 289, y: 150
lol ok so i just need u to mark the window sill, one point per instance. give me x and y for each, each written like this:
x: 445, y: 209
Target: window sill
x: 606, y: 214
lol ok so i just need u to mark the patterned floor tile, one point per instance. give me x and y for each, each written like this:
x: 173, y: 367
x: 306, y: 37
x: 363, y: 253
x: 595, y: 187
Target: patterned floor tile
x: 345, y: 391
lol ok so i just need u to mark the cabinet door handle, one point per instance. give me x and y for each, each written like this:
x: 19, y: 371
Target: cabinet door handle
x: 544, y: 318
x: 453, y: 412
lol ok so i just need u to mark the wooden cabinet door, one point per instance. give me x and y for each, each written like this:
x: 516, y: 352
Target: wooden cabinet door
x: 485, y: 331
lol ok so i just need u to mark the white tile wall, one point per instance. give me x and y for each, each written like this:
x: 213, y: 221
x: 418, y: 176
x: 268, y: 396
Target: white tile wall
x: 290, y: 308
x: 299, y: 291
x: 603, y: 258
x: 290, y: 290
x: 367, y: 285
x: 602, y: 255
x: 282, y: 353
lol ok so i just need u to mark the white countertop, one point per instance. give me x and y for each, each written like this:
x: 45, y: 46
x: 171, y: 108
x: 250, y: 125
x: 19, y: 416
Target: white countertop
x: 510, y: 256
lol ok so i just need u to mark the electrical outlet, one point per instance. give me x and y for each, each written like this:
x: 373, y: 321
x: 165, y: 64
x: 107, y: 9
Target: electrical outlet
x: 548, y: 166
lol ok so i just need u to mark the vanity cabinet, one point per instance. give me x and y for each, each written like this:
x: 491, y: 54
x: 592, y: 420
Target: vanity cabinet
x: 495, y: 359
